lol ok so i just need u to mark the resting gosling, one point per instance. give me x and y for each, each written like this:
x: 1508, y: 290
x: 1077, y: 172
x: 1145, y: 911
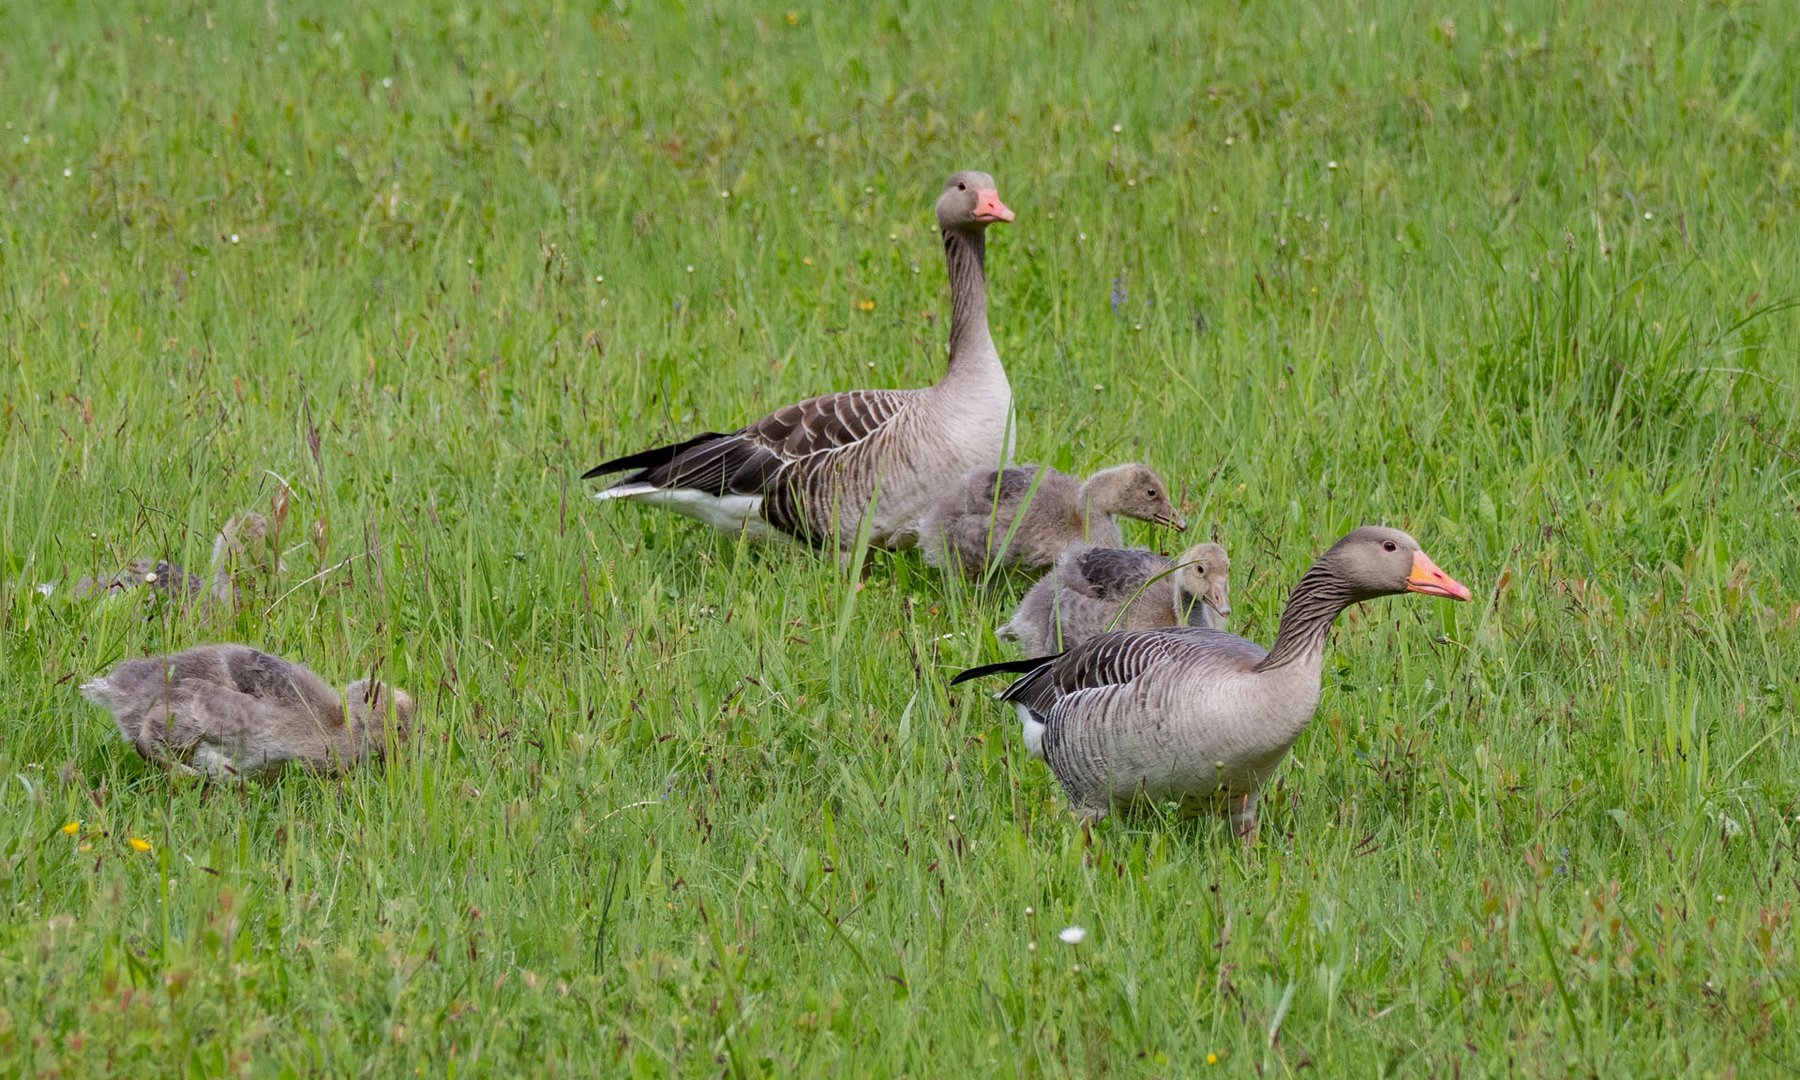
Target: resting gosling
x: 1090, y: 587
x: 230, y: 711
x: 968, y: 526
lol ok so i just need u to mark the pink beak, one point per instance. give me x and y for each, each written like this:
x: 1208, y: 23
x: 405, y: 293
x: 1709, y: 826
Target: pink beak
x: 988, y: 207
x: 1428, y: 579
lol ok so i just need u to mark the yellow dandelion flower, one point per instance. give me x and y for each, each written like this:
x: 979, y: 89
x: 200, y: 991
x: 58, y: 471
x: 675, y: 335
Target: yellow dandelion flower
x: 793, y: 18
x: 1212, y: 1059
x: 138, y: 843
x: 71, y: 828
x: 865, y: 305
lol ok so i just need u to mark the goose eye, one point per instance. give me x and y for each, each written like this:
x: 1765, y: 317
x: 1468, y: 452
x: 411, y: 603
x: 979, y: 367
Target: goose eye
x: 960, y: 186
x: 1388, y: 545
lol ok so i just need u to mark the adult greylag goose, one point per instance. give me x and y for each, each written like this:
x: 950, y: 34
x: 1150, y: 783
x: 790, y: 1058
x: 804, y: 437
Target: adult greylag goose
x: 1201, y: 715
x: 972, y: 525
x: 1084, y: 595
x: 229, y: 711
x: 814, y: 470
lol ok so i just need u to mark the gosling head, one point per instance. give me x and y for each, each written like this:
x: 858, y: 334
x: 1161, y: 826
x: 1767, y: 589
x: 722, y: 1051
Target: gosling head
x: 1203, y: 576
x: 366, y: 704
x: 970, y: 203
x: 1133, y: 491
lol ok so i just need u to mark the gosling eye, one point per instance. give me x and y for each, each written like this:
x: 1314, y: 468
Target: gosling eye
x: 960, y: 186
x: 1151, y: 493
x: 1389, y: 545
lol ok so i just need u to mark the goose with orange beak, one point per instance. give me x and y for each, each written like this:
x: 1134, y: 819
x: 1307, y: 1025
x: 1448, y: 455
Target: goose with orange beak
x: 821, y: 469
x: 1198, y: 715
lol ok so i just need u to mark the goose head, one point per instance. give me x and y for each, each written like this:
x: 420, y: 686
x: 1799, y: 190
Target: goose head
x: 1374, y: 561
x: 970, y: 202
x: 366, y: 703
x: 1203, y: 575
x: 1132, y: 490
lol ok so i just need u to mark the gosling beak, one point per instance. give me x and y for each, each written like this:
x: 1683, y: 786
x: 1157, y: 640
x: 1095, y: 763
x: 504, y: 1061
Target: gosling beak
x: 1219, y: 596
x: 1428, y: 579
x: 989, y: 208
x: 1172, y: 520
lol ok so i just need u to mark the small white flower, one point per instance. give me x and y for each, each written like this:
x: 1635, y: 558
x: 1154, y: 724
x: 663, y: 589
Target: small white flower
x: 46, y: 589
x: 1331, y: 165
x: 150, y: 578
x: 1118, y: 128
x: 1073, y: 935
x: 71, y: 172
x: 1719, y: 898
x: 1648, y: 215
x: 599, y: 279
x: 724, y: 193
x: 690, y: 268
x: 1029, y: 912
x: 234, y: 238
x: 387, y: 81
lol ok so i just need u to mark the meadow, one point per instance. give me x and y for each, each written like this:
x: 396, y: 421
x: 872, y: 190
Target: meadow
x: 1518, y: 278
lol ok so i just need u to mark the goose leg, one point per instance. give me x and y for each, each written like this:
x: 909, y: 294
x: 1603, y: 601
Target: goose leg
x: 1243, y: 817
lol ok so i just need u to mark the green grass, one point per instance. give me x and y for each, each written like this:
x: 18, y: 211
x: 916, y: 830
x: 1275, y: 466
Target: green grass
x: 682, y: 804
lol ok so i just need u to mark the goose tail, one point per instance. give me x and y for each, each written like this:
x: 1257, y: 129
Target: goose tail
x: 1004, y: 666
x: 100, y: 691
x: 643, y: 461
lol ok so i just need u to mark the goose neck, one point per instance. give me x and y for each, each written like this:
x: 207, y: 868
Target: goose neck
x: 1311, y: 609
x: 970, y: 341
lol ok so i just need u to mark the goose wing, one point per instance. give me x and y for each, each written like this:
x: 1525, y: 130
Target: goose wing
x: 1113, y: 573
x: 1119, y: 659
x: 749, y: 461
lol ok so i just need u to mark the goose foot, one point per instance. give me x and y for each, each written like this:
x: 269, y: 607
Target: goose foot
x: 1243, y: 818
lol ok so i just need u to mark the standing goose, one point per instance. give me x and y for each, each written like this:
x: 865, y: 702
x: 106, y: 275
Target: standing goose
x: 812, y: 470
x: 970, y: 525
x: 229, y: 711
x: 1201, y: 715
x: 1083, y: 596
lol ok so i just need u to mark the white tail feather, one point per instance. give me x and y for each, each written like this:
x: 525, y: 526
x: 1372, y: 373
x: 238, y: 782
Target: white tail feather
x: 624, y: 491
x: 1032, y: 730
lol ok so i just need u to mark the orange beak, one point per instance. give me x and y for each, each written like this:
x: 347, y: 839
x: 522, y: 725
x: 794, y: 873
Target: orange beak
x: 1428, y: 579
x: 989, y: 208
